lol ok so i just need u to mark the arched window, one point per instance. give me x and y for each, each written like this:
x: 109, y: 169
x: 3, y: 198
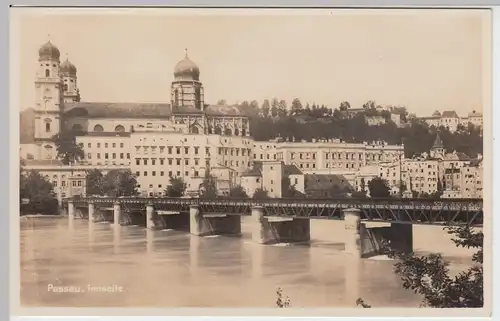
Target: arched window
x: 218, y: 131
x: 77, y: 128
x: 243, y: 132
x: 228, y: 132
x: 47, y: 73
x: 98, y: 128
x: 47, y: 127
x: 209, y: 130
x: 65, y: 87
x: 236, y: 132
x: 195, y: 130
x: 119, y: 129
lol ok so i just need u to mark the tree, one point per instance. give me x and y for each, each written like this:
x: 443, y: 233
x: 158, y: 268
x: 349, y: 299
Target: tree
x: 282, y: 109
x: 176, y: 188
x: 296, y: 107
x: 40, y: 193
x: 67, y: 149
x: 288, y: 190
x: 94, y: 182
x: 222, y: 102
x: 430, y: 277
x: 370, y: 104
x: 363, y: 185
x: 119, y: 182
x: 260, y: 194
x: 237, y: 192
x: 22, y: 181
x: 274, y: 107
x: 344, y: 106
x: 209, y: 187
x: 254, y: 108
x: 266, y: 107
x: 378, y: 188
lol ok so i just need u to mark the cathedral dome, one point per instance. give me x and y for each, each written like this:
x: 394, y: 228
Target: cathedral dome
x: 48, y: 52
x: 187, y: 69
x: 68, y: 68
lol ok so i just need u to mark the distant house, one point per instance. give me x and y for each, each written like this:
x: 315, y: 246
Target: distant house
x: 268, y: 175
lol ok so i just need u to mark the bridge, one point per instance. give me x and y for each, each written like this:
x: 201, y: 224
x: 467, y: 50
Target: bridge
x: 390, y: 210
x: 286, y: 220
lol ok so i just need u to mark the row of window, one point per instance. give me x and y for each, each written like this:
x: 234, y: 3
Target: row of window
x: 170, y: 173
x: 145, y: 161
x: 113, y: 155
x: 75, y: 183
x: 106, y: 145
x: 170, y: 149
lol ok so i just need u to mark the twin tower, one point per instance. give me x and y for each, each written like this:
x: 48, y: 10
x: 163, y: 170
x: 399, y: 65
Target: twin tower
x: 56, y: 86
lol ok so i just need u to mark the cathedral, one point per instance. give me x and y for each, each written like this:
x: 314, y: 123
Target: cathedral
x: 59, y: 107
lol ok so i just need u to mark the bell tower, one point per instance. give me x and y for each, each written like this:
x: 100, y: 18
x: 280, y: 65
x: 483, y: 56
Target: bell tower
x: 48, y: 100
x: 71, y: 93
x: 186, y: 89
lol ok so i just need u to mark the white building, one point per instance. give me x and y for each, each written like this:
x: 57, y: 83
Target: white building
x: 451, y: 120
x: 268, y: 176
x: 327, y: 156
x: 183, y: 137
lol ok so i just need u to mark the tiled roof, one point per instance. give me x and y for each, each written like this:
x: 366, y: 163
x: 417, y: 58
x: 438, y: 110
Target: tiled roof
x: 325, y: 182
x: 221, y: 110
x: 104, y: 134
x: 463, y: 157
x: 292, y: 170
x: 476, y: 162
x: 144, y: 110
x: 117, y: 110
x: 449, y: 114
x: 185, y: 110
x: 438, y: 143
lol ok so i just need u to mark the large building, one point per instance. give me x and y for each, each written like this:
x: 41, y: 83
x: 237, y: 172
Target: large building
x: 331, y: 156
x: 451, y: 120
x: 181, y: 137
x: 59, y: 106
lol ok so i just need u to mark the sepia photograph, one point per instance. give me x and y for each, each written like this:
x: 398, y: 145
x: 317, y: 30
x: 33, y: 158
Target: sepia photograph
x: 253, y: 158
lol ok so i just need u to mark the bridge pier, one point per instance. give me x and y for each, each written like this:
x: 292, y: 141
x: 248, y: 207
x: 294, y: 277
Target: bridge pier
x: 279, y: 230
x: 354, y: 232
x: 213, y: 224
x: 364, y: 241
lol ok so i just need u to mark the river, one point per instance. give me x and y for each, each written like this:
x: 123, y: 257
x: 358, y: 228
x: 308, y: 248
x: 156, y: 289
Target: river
x: 130, y: 266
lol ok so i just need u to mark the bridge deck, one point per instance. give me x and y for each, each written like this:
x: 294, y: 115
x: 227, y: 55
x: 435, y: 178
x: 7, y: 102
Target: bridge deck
x: 408, y: 211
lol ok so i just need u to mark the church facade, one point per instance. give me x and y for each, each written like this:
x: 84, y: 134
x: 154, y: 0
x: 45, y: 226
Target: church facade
x: 59, y: 107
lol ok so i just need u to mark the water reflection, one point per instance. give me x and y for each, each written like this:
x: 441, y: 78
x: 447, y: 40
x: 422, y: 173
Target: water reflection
x: 91, y: 233
x: 172, y: 268
x: 150, y: 241
x: 194, y: 251
x: 352, y: 280
x: 116, y: 238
